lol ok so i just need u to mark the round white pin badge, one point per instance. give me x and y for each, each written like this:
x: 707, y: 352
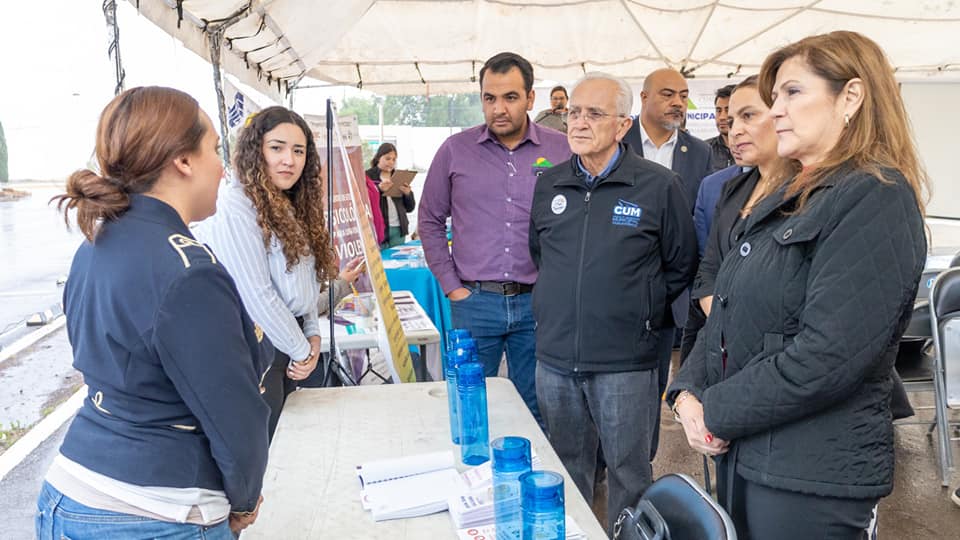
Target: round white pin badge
x: 559, y: 204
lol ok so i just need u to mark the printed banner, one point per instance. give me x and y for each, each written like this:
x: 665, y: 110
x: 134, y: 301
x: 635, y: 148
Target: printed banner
x: 353, y: 236
x: 701, y: 112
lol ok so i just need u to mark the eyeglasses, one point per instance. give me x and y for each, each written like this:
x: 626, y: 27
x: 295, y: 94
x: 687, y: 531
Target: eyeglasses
x: 590, y: 115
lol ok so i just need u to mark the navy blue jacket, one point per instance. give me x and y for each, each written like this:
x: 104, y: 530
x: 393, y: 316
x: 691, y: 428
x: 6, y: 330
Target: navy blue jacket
x: 707, y: 197
x: 171, y: 359
x: 611, y: 259
x: 691, y: 160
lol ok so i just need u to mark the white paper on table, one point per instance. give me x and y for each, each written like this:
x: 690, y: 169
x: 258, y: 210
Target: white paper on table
x: 415, y: 495
x: 489, y: 532
x: 389, y: 469
x: 472, y: 508
x: 482, y: 475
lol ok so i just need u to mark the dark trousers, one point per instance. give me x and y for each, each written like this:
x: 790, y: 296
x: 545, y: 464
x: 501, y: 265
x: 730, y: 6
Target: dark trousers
x: 277, y: 386
x: 760, y: 512
x: 608, y: 412
x: 664, y: 352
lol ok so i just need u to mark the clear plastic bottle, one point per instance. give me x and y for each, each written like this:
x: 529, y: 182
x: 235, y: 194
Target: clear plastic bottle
x: 474, y: 430
x: 464, y: 350
x: 541, y: 502
x: 511, y: 459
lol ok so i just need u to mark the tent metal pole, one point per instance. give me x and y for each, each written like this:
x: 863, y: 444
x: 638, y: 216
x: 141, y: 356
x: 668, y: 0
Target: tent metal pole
x: 113, y: 49
x: 215, y: 38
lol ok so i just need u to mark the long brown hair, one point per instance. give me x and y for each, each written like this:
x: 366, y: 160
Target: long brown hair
x: 384, y: 149
x: 878, y: 135
x: 294, y: 216
x: 139, y: 133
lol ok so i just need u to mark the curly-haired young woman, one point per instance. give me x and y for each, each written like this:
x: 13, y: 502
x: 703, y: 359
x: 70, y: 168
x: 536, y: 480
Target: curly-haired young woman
x: 270, y: 233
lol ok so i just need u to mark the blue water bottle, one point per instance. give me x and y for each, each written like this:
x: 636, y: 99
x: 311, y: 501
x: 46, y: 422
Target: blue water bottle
x: 464, y: 351
x: 541, y: 502
x: 474, y: 431
x: 511, y: 459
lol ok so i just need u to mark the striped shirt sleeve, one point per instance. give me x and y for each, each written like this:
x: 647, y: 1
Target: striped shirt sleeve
x: 237, y: 240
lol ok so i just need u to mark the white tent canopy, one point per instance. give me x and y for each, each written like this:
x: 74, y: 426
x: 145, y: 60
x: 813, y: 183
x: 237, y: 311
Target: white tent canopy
x: 438, y: 46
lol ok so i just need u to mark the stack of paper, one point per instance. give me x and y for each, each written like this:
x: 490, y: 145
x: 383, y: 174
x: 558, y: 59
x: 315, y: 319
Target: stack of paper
x: 487, y: 532
x: 474, y: 506
x: 409, y: 486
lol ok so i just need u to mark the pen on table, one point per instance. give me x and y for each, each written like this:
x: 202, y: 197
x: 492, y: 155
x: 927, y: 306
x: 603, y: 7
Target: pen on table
x: 354, y: 289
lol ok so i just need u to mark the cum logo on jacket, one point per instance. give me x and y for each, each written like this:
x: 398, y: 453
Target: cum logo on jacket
x: 627, y: 214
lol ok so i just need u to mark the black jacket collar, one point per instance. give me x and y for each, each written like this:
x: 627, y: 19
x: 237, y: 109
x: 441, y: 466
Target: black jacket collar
x: 779, y: 199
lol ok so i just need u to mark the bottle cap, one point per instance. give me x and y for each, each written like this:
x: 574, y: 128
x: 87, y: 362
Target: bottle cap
x: 456, y: 334
x: 470, y: 374
x: 541, y: 491
x: 511, y: 454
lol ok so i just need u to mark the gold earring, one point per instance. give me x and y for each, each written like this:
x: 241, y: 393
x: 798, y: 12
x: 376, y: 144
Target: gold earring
x: 846, y: 120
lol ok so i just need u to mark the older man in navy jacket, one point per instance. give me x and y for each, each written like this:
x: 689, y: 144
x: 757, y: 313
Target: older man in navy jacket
x: 612, y: 229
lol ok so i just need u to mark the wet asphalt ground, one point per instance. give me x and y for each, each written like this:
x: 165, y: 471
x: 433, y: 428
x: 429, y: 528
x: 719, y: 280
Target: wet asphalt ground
x: 35, y: 252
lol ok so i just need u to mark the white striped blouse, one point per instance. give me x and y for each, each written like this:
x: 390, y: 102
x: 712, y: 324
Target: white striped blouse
x: 273, y: 297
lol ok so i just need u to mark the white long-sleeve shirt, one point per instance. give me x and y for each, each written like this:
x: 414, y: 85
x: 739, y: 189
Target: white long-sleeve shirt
x: 273, y: 297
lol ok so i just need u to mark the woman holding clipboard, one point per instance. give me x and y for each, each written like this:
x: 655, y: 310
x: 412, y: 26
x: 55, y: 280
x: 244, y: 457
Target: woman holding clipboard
x: 396, y: 198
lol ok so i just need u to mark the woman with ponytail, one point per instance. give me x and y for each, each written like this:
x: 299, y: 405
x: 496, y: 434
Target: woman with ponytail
x: 172, y: 439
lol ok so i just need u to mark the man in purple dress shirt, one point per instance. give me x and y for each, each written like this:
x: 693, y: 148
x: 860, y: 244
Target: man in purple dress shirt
x: 483, y: 179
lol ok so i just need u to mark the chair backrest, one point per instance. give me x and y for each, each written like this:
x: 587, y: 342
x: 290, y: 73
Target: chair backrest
x: 926, y: 281
x: 945, y: 293
x: 945, y: 323
x: 688, y: 510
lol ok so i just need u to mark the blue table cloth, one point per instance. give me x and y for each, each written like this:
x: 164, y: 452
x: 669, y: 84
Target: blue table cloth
x: 416, y: 278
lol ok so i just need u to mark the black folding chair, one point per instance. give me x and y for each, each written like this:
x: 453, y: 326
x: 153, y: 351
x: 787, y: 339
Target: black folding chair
x: 945, y: 328
x: 675, y: 507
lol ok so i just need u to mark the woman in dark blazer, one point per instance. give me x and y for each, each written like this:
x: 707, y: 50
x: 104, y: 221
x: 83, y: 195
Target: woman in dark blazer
x: 753, y: 135
x: 790, y: 379
x: 393, y: 209
x: 171, y: 440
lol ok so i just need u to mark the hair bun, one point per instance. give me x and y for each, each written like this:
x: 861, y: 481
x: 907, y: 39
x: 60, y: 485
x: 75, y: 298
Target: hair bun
x: 95, y: 199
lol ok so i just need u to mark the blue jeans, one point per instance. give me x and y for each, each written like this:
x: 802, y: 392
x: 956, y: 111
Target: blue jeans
x: 497, y: 322
x: 59, y: 517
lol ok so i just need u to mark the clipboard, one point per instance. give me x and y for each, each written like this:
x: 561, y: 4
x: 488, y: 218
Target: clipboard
x: 400, y: 178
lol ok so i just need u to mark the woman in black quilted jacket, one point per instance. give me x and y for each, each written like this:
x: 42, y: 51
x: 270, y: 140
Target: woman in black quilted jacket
x: 789, y: 382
